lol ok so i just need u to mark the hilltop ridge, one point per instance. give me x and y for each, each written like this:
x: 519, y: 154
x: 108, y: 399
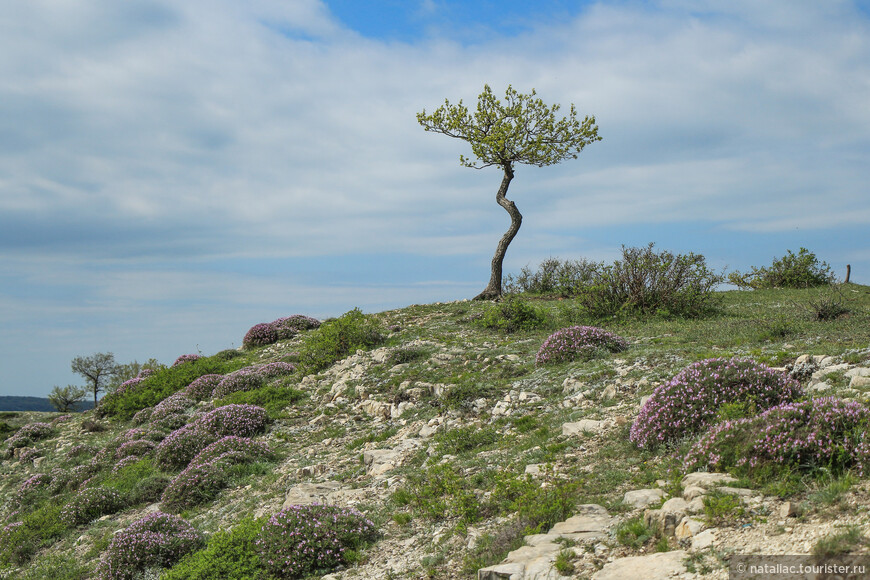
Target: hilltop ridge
x: 467, y: 455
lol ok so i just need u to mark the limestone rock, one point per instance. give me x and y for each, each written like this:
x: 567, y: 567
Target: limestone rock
x: 641, y: 498
x: 704, y: 540
x: 514, y: 571
x: 688, y: 527
x: 707, y: 480
x: 584, y: 426
x: 651, y: 567
x: 859, y: 382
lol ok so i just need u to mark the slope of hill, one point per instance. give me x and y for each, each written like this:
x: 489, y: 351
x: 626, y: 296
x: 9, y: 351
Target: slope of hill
x: 459, y: 450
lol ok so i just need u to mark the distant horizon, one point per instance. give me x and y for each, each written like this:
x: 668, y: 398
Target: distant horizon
x: 172, y: 174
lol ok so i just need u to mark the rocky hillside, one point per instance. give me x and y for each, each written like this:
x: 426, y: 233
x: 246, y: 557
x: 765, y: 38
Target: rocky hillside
x: 455, y: 447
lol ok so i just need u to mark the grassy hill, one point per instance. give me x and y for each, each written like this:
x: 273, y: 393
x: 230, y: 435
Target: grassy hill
x: 437, y: 442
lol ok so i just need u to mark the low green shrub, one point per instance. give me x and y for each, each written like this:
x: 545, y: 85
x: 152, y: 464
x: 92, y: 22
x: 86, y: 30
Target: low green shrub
x: 648, y: 282
x: 337, y: 338
x: 634, y: 533
x: 20, y: 540
x: 801, y: 270
x: 512, y: 315
x: 554, y: 277
x: 229, y: 554
x: 440, y: 492
x: 691, y: 401
x: 465, y: 439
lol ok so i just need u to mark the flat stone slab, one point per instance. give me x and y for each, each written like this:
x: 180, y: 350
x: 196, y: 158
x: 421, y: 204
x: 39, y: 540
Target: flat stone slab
x: 584, y: 426
x: 652, y: 567
x: 705, y: 480
x: 502, y: 572
x: 641, y: 498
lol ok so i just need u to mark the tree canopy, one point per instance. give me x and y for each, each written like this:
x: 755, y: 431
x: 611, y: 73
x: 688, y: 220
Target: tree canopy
x: 522, y: 129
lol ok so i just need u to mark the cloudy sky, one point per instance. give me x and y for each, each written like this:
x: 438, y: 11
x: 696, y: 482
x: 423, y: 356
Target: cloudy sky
x: 172, y: 173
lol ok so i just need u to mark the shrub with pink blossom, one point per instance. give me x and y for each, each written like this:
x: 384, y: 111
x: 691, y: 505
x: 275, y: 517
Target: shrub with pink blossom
x: 170, y: 422
x: 186, y: 358
x: 27, y: 454
x: 290, y: 326
x: 61, y: 419
x: 691, y: 401
x: 29, y: 434
x: 275, y: 369
x: 139, y: 447
x: 807, y: 435
x: 202, y: 388
x: 260, y: 335
x: 79, y: 450
x: 89, y: 504
x: 147, y: 372
x: 239, y: 420
x: 157, y: 540
x: 322, y: 537
x: 127, y: 385
x: 177, y: 403
x: 32, y: 486
x: 143, y: 416
x: 578, y: 343
x: 182, y: 445
x: 246, y: 379
x: 70, y: 479
x: 210, y: 471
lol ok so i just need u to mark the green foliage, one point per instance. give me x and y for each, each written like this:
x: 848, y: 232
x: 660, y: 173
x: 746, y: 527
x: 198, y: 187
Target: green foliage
x: 538, y: 507
x: 720, y: 507
x: 648, y: 282
x: 19, y: 541
x: 66, y: 399
x: 337, y: 338
x: 634, y: 533
x: 57, y: 567
x: 522, y: 130
x: 829, y: 304
x: 440, y: 492
x: 512, y: 315
x: 554, y: 277
x: 229, y: 554
x: 272, y: 398
x: 465, y: 439
x: 127, y: 371
x: 842, y: 542
x: 563, y: 564
x: 161, y: 384
x: 801, y: 270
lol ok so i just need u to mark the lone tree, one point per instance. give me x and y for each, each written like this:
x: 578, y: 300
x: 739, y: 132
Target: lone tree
x: 521, y: 130
x: 65, y: 399
x: 96, y: 369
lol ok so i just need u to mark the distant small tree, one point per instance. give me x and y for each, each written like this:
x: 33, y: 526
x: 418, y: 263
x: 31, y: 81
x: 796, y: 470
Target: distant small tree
x: 96, y: 369
x: 65, y: 399
x: 521, y: 130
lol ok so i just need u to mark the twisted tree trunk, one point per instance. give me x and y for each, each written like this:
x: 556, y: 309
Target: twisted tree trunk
x: 493, y: 289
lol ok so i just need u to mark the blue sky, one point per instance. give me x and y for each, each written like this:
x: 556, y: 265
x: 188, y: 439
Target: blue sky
x: 173, y: 173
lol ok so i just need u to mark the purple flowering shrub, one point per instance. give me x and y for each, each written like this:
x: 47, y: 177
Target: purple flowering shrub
x: 246, y: 379
x: 210, y: 471
x: 275, y: 369
x: 128, y: 385
x: 578, y: 343
x: 89, y: 504
x: 27, y: 454
x: 143, y: 416
x: 186, y: 358
x: 299, y: 540
x: 239, y: 420
x: 71, y: 479
x: 33, y: 486
x: 169, y: 423
x: 29, y: 434
x: 281, y: 329
x: 61, y: 419
x: 182, y: 445
x: 202, y: 388
x: 260, y: 335
x: 691, y: 401
x: 290, y: 326
x: 139, y: 447
x: 807, y: 435
x: 158, y: 539
x: 177, y: 403
x: 126, y: 461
